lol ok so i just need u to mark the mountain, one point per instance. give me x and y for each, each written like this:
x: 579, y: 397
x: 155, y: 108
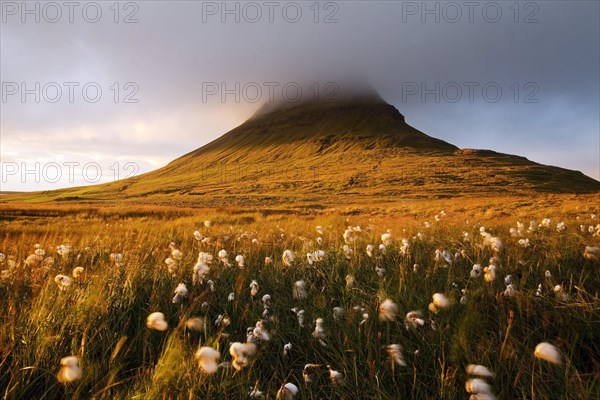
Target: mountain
x: 358, y: 150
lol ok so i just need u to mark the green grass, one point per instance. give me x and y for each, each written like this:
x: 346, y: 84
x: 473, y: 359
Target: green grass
x: 101, y: 317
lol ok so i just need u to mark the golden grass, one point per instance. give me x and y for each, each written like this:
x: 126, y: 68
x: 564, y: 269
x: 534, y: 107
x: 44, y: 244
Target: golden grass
x: 101, y: 316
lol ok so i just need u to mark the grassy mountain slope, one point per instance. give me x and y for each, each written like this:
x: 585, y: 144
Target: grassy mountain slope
x: 352, y: 151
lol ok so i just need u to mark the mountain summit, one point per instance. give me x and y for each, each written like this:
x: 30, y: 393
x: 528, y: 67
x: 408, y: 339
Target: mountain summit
x: 368, y: 120
x: 357, y: 150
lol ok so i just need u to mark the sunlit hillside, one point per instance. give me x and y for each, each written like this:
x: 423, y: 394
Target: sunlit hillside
x: 354, y: 151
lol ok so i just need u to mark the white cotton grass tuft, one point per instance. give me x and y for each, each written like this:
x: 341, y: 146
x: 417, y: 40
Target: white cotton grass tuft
x: 181, y: 292
x: 349, y: 235
x: 533, y: 226
x: 347, y: 251
x: 479, y: 387
x: 286, y: 349
x: 156, y: 321
x: 306, y: 372
x: 208, y: 359
x: 466, y: 237
x: 287, y: 392
x: 77, y: 272
x: 242, y: 354
x: 443, y: 255
x: 266, y: 314
x: 268, y: 260
x: 350, y: 281
x: 48, y: 262
x: 405, y: 248
x: 63, y: 281
x: 539, y: 291
x: 288, y: 257
x: 255, y: 393
x: 300, y: 314
x: 260, y: 332
x: 34, y: 260
x: 493, y: 242
x: 510, y: 291
x: 201, y: 270
x: 266, y: 300
x: 176, y: 254
x: 315, y: 256
x: 198, y: 236
x: 336, y: 377
x: 364, y: 319
x: 547, y: 352
x: 476, y: 271
x: 591, y: 253
x: 222, y: 321
x: 171, y: 264
x: 70, y: 370
x: 338, y: 313
x: 561, y: 293
x: 223, y: 256
x: 386, y: 239
x: 395, y: 351
x: 63, y: 250
x: 439, y: 301
x: 195, y: 324
x: 518, y: 231
x: 479, y: 370
x: 299, y: 290
x: 388, y: 310
x: 254, y: 288
x: 524, y: 242
x: 414, y: 319
x: 205, y: 258
x: 490, y: 273
x: 117, y: 258
x: 319, y: 255
x: 240, y: 260
x: 370, y: 250
x: 319, y: 331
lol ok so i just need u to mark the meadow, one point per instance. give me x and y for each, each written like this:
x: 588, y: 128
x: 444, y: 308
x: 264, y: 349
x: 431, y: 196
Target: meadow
x: 320, y: 305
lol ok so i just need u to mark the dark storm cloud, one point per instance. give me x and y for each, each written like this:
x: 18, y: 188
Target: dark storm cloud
x: 444, y: 76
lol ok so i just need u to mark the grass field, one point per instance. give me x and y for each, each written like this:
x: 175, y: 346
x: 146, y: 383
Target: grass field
x: 101, y: 316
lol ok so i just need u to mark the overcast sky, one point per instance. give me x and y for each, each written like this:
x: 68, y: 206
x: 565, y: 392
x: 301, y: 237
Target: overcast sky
x: 520, y: 79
